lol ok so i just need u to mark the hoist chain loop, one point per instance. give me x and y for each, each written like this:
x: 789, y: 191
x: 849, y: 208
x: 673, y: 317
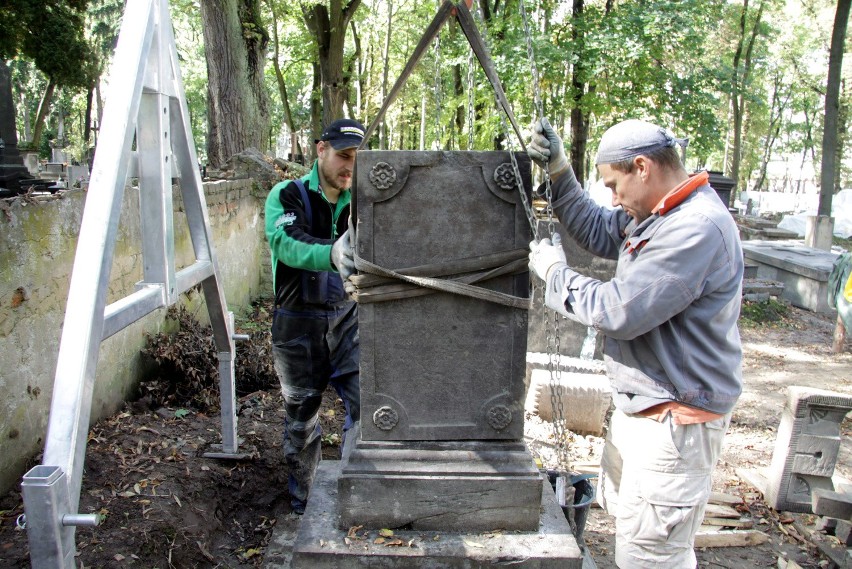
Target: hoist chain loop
x: 560, y: 434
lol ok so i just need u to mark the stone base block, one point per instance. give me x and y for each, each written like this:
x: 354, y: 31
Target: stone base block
x: 586, y: 398
x: 439, y: 485
x: 320, y: 544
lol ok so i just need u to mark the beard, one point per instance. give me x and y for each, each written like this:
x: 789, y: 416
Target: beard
x: 339, y: 179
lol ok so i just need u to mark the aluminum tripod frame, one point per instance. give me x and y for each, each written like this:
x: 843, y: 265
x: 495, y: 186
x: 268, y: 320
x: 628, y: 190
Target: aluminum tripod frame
x: 147, y: 100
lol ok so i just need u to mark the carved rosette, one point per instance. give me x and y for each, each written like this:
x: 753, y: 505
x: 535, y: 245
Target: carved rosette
x: 382, y: 176
x: 504, y: 176
x: 499, y: 417
x: 385, y: 418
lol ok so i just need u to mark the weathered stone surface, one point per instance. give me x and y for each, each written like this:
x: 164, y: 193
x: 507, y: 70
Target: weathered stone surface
x: 439, y: 485
x: 321, y: 545
x: 442, y: 387
x: 806, y: 447
x: 832, y: 504
x: 441, y: 366
x: 802, y: 270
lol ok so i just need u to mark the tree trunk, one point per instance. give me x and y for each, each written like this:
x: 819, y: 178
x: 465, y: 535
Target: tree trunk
x: 235, y: 43
x: 739, y: 84
x: 41, y: 114
x: 383, y: 131
x: 832, y: 108
x: 328, y: 25
x: 87, y: 119
x: 279, y: 76
x: 579, y: 117
x: 316, y: 112
x: 776, y: 116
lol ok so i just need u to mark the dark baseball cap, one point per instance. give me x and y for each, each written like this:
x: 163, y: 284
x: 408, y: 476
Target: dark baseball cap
x: 343, y: 133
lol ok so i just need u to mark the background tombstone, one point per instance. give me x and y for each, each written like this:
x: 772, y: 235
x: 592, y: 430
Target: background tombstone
x: 12, y: 168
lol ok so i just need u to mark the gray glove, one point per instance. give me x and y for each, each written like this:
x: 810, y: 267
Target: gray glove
x: 545, y: 255
x: 546, y: 148
x: 342, y: 256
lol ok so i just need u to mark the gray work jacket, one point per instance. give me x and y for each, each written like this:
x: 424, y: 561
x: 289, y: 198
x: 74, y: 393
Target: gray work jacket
x: 669, y: 316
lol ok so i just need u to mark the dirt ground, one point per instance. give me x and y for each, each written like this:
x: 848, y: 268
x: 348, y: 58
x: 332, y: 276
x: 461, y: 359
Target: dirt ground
x: 165, y: 505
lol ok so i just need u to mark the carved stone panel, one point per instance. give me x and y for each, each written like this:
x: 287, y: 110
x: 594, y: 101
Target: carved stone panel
x: 436, y: 365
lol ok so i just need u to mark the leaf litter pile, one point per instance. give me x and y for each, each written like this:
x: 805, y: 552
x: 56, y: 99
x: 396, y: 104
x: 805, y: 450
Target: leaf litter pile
x: 163, y: 503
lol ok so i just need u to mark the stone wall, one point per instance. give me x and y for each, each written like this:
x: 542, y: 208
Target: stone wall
x: 37, y: 248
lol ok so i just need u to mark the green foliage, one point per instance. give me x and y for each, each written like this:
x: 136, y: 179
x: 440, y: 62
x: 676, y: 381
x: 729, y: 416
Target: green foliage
x: 51, y: 33
x: 766, y: 312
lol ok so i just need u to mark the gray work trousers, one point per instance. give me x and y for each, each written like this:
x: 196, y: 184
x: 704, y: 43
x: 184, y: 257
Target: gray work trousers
x: 312, y: 350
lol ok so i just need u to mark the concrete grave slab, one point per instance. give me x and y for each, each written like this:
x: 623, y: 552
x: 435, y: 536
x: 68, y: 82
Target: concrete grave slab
x: 802, y: 270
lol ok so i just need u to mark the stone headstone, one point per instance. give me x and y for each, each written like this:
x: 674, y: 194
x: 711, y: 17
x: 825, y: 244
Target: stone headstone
x: 441, y: 442
x: 806, y: 447
x: 12, y: 169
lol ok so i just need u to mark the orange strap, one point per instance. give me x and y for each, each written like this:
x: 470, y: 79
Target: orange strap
x: 680, y: 193
x: 681, y: 414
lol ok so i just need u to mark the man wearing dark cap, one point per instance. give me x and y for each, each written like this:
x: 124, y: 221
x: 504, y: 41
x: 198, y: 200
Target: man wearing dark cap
x: 315, y: 325
x: 669, y: 320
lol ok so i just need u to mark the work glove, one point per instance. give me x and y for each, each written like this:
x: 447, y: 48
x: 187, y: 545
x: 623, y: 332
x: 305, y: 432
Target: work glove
x: 343, y: 256
x: 545, y: 255
x: 545, y: 148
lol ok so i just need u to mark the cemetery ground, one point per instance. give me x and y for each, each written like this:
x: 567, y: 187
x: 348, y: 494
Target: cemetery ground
x: 164, y: 505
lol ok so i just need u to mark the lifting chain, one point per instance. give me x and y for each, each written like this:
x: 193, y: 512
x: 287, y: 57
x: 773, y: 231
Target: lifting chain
x: 560, y: 433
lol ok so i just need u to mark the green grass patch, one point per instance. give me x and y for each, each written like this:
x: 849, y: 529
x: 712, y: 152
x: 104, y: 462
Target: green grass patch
x: 764, y: 312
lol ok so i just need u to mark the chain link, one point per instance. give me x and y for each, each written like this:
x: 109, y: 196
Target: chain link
x: 560, y: 433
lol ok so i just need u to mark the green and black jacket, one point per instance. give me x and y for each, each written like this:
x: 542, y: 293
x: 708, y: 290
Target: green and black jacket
x: 300, y: 239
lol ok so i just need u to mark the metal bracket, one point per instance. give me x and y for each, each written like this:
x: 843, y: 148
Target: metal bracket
x: 147, y: 102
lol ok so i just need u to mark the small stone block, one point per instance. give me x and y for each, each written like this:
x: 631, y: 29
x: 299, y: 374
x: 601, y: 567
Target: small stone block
x: 816, y: 455
x: 843, y: 532
x: 836, y: 505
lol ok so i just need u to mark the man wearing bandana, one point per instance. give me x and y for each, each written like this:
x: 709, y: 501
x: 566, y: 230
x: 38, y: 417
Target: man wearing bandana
x: 669, y: 321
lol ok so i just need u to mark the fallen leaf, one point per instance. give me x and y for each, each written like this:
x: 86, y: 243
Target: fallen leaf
x: 118, y: 557
x: 386, y: 532
x: 353, y: 531
x: 473, y: 544
x: 379, y: 540
x: 396, y: 542
x: 249, y: 553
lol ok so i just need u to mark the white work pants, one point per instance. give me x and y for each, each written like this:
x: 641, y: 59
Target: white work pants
x: 656, y: 479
